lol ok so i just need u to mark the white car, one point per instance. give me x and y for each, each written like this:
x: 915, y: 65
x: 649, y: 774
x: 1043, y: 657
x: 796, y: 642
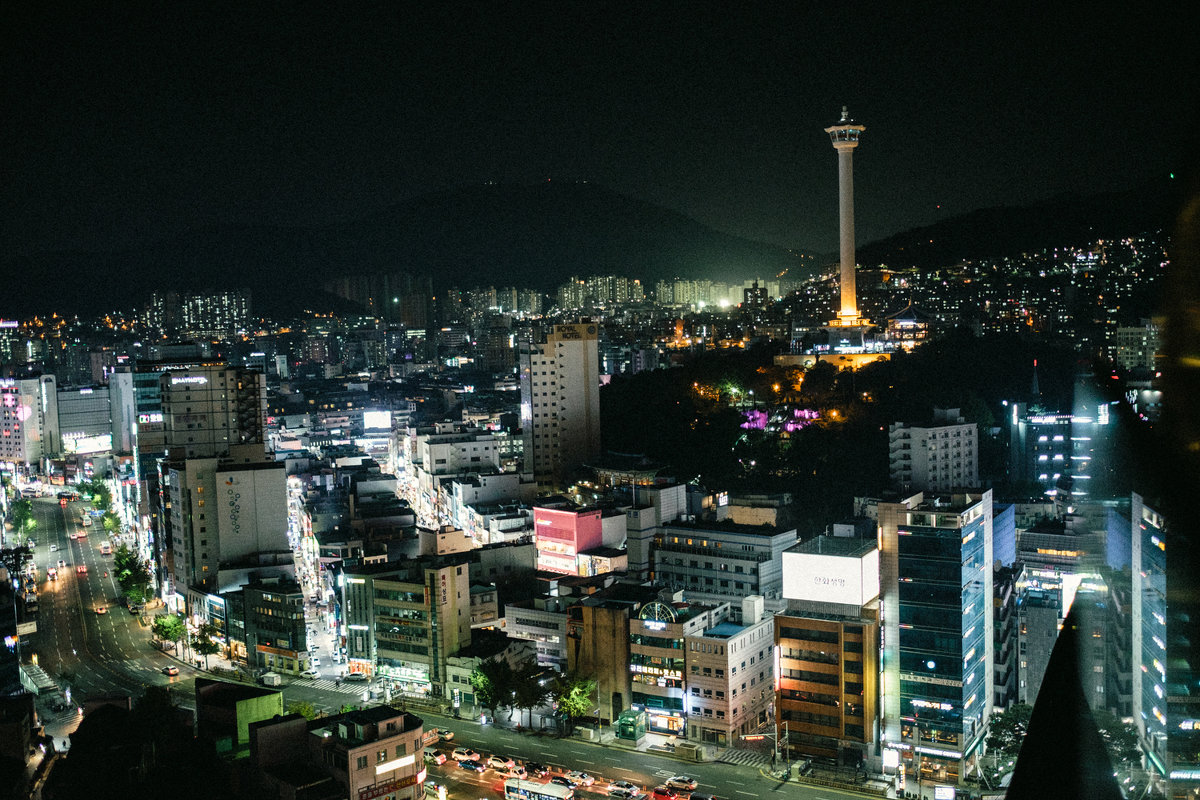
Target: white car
x: 623, y: 789
x: 464, y: 754
x: 53, y: 548
x: 685, y: 782
x: 580, y: 778
x: 310, y: 673
x: 499, y: 762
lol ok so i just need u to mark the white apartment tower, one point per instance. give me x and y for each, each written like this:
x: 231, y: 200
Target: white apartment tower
x: 939, y: 457
x: 560, y: 401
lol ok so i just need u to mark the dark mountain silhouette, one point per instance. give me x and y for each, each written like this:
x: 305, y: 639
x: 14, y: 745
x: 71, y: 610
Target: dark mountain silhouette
x: 502, y: 235
x: 1065, y: 220
x: 525, y: 236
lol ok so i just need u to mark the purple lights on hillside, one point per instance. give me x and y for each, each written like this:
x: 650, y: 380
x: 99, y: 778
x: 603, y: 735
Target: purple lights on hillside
x: 758, y: 420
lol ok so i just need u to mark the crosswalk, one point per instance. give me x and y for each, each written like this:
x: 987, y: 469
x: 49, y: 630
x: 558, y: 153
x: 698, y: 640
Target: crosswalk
x: 332, y: 686
x: 749, y: 758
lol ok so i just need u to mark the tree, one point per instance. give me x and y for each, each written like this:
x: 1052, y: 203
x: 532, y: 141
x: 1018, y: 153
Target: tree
x: 111, y: 522
x: 1007, y: 731
x: 21, y: 514
x: 102, y: 496
x: 493, y: 684
x: 575, y: 696
x: 132, y: 574
x: 1121, y: 738
x: 529, y: 687
x: 203, y: 642
x: 170, y: 628
x: 303, y: 708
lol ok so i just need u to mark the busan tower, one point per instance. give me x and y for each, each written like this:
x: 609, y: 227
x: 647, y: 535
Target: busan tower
x: 844, y: 136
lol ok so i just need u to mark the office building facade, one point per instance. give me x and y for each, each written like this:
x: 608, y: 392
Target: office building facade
x: 937, y: 657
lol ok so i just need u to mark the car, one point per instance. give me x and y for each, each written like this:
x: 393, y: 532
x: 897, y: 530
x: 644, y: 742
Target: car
x: 53, y: 548
x: 61, y: 563
x: 537, y: 769
x: 171, y: 670
x: 580, y: 778
x: 685, y: 782
x: 434, y: 756
x: 81, y: 569
x: 662, y: 793
x: 316, y: 662
x: 464, y: 754
x: 432, y: 787
x: 474, y: 766
x: 516, y: 771
x: 357, y: 677
x: 623, y: 789
x: 101, y: 610
x: 700, y: 796
x: 310, y: 673
x: 500, y: 762
x: 562, y: 780
x: 445, y: 734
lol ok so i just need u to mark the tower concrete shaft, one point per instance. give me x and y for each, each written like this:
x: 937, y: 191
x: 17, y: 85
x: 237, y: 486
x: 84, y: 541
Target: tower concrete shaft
x: 844, y: 136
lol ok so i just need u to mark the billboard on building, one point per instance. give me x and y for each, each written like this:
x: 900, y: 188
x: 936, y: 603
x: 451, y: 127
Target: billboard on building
x: 822, y: 578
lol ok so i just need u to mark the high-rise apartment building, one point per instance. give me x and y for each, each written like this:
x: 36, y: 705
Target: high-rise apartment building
x: 560, y: 402
x: 941, y: 457
x: 28, y: 420
x: 937, y: 660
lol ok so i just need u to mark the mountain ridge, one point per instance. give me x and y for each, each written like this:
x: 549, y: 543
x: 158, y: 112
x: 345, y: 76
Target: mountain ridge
x: 533, y: 235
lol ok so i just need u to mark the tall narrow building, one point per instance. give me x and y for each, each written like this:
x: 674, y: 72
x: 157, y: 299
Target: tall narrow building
x: 935, y: 565
x: 560, y: 402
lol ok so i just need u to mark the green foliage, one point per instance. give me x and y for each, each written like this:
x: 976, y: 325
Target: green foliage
x: 203, y: 642
x: 111, y: 522
x: 529, y: 690
x: 493, y: 682
x: 1007, y: 731
x: 1121, y: 738
x: 170, y: 628
x: 20, y: 513
x: 133, y: 576
x: 99, y: 492
x: 303, y: 708
x: 575, y: 695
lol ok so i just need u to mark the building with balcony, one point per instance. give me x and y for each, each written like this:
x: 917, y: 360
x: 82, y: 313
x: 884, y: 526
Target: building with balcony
x: 939, y: 457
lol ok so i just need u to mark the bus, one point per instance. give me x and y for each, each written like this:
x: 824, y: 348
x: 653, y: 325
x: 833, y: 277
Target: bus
x: 517, y: 789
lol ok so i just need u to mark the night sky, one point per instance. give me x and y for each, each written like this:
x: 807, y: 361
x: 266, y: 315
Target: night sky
x: 128, y: 123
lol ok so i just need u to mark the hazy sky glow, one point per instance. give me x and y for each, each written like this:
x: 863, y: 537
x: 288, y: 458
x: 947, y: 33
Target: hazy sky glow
x: 126, y: 125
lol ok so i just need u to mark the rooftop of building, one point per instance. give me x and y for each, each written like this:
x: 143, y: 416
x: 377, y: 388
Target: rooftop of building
x: 724, y: 630
x: 727, y: 526
x: 949, y: 503
x: 845, y: 546
x: 223, y: 694
x: 486, y: 643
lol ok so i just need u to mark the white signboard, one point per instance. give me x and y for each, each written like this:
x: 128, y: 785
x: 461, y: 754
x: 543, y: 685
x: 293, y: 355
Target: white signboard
x: 831, y: 579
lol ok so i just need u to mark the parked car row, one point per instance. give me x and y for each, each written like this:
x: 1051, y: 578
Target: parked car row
x: 676, y: 787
